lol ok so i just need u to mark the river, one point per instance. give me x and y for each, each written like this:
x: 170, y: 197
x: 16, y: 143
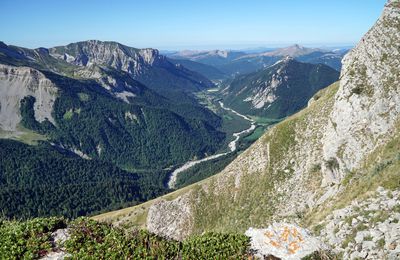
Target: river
x: 232, y: 147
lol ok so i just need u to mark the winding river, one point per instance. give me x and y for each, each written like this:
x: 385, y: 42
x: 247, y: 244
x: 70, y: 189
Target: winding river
x: 232, y: 146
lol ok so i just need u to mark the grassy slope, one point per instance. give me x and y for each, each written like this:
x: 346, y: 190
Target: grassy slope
x: 281, y: 137
x: 255, y: 202
x: 23, y: 135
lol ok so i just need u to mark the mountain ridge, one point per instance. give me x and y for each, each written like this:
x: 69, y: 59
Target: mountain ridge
x: 294, y: 51
x: 236, y: 62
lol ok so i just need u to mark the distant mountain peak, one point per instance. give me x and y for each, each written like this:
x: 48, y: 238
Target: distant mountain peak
x: 293, y: 51
x: 296, y: 46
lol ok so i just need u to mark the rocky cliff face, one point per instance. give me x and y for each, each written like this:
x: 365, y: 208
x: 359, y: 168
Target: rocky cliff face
x: 145, y: 65
x: 368, y: 101
x: 17, y: 83
x: 111, y: 54
x: 334, y: 153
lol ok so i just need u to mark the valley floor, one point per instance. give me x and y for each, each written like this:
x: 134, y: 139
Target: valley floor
x: 232, y: 148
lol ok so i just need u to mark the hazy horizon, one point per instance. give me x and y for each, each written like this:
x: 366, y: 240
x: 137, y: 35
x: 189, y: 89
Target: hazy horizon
x: 180, y: 25
x: 232, y: 47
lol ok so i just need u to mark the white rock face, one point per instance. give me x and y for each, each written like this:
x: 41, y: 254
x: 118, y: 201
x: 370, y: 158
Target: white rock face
x: 166, y: 217
x: 266, y: 96
x: 286, y: 241
x: 17, y: 83
x: 265, y: 93
x: 60, y: 236
x: 111, y: 54
x: 367, y: 104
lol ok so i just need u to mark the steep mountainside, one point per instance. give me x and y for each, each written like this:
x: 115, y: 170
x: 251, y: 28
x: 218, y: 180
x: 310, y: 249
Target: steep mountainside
x: 144, y: 65
x: 114, y: 117
x: 98, y: 113
x: 278, y: 91
x: 316, y: 168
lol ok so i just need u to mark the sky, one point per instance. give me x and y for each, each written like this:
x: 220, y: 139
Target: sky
x: 188, y: 24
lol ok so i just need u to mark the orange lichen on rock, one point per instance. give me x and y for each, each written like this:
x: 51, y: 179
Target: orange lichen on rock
x: 269, y: 234
x: 293, y: 247
x: 286, y: 241
x: 275, y: 244
x: 295, y: 232
x: 285, y: 234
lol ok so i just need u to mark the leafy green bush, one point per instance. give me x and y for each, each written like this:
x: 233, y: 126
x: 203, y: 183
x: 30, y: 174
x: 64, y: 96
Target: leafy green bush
x: 94, y: 240
x: 321, y: 255
x: 215, y: 246
x: 29, y: 239
x: 90, y: 239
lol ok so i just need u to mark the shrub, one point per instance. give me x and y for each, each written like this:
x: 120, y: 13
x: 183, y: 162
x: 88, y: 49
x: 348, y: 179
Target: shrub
x: 381, y: 243
x: 90, y: 239
x: 29, y: 239
x: 93, y: 240
x: 215, y: 246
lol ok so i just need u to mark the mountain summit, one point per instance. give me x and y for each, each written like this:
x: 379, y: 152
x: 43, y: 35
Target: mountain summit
x: 293, y: 51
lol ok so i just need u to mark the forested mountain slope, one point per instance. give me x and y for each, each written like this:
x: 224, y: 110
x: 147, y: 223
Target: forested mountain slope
x: 279, y: 90
x: 100, y: 114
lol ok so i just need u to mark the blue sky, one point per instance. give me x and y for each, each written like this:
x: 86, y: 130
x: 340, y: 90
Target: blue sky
x: 188, y: 24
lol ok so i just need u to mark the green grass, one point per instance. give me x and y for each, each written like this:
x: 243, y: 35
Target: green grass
x: 68, y: 115
x: 23, y: 135
x: 381, y: 243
